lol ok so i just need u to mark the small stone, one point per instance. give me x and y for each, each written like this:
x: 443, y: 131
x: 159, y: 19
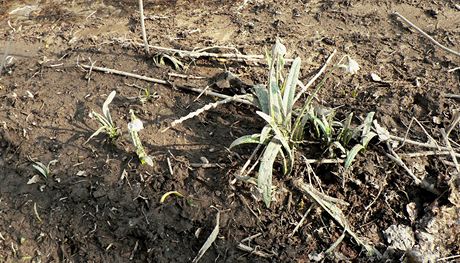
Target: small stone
x: 98, y: 193
x: 376, y: 77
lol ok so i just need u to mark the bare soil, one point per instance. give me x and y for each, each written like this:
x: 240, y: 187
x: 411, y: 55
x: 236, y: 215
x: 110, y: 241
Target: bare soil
x: 101, y: 205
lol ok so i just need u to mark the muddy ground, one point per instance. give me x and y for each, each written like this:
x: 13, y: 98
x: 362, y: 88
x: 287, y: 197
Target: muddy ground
x: 99, y: 204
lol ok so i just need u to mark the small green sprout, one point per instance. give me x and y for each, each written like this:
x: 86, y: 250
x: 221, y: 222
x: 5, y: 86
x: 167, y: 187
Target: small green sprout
x: 147, y: 95
x: 159, y: 59
x: 366, y: 137
x: 285, y: 125
x: 134, y: 127
x: 280, y: 135
x: 105, y: 121
x: 44, y: 170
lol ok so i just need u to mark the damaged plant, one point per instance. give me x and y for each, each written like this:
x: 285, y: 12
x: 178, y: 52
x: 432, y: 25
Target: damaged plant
x: 105, y: 120
x: 285, y: 125
x: 134, y: 127
x: 280, y: 135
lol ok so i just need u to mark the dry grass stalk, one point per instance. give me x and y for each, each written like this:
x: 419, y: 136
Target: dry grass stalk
x: 203, y: 109
x: 331, y: 208
x: 253, y: 251
x: 427, y: 36
x: 144, y: 34
x: 248, y: 100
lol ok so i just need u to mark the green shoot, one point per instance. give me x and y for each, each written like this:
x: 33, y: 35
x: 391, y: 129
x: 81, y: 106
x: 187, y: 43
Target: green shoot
x: 44, y: 170
x: 105, y: 120
x: 366, y: 137
x: 134, y: 127
x: 159, y: 59
x: 276, y: 103
x: 283, y: 133
x: 147, y: 95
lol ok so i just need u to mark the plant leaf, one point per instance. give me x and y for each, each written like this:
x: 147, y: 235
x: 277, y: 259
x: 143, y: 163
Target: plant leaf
x: 274, y: 101
x: 352, y: 154
x: 339, y: 146
x: 383, y: 133
x: 262, y: 96
x: 95, y: 133
x: 167, y: 194
x: 265, y: 134
x: 253, y: 138
x: 368, y: 123
x: 346, y: 131
x: 41, y: 168
x: 264, y: 180
x: 368, y: 138
x: 280, y: 136
x: 289, y: 90
x: 105, y: 107
x: 211, y: 238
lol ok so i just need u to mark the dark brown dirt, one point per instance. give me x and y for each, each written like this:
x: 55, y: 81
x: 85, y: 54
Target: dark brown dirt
x: 101, y: 205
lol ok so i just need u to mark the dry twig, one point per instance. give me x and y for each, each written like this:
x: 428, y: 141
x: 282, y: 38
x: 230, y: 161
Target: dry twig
x: 331, y: 208
x: 301, y: 221
x: 452, y: 96
x: 395, y: 158
x: 144, y: 34
x: 312, y: 80
x: 427, y: 153
x: 427, y: 36
x: 451, y: 151
x: 252, y: 101
x: 253, y: 251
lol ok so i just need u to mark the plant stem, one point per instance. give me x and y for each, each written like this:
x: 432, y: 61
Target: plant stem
x: 144, y: 34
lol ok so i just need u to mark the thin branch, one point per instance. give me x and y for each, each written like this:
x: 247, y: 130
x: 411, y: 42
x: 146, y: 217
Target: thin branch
x: 452, y: 153
x: 427, y: 36
x: 452, y: 96
x: 198, y: 54
x: 427, y: 153
x: 321, y: 71
x: 248, y: 239
x: 253, y: 251
x: 251, y: 101
x: 301, y: 221
x: 144, y: 34
x: 323, y: 161
x: 421, y: 144
x: 203, y: 109
x: 453, y: 69
x: 395, y: 158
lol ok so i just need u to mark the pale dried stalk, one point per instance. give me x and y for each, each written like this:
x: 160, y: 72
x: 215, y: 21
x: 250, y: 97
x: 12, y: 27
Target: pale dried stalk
x: 203, y: 109
x: 312, y: 80
x: 452, y: 153
x: 198, y: 54
x: 301, y: 221
x: 253, y: 251
x: 421, y: 144
x: 323, y: 161
x: 334, y: 212
x: 144, y: 34
x: 427, y: 153
x: 452, y: 96
x: 395, y: 158
x: 250, y: 100
x: 427, y: 36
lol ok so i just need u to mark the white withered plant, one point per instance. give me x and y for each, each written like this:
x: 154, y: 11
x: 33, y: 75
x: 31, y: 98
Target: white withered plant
x: 134, y: 127
x: 105, y: 121
x: 280, y: 135
x: 284, y: 129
